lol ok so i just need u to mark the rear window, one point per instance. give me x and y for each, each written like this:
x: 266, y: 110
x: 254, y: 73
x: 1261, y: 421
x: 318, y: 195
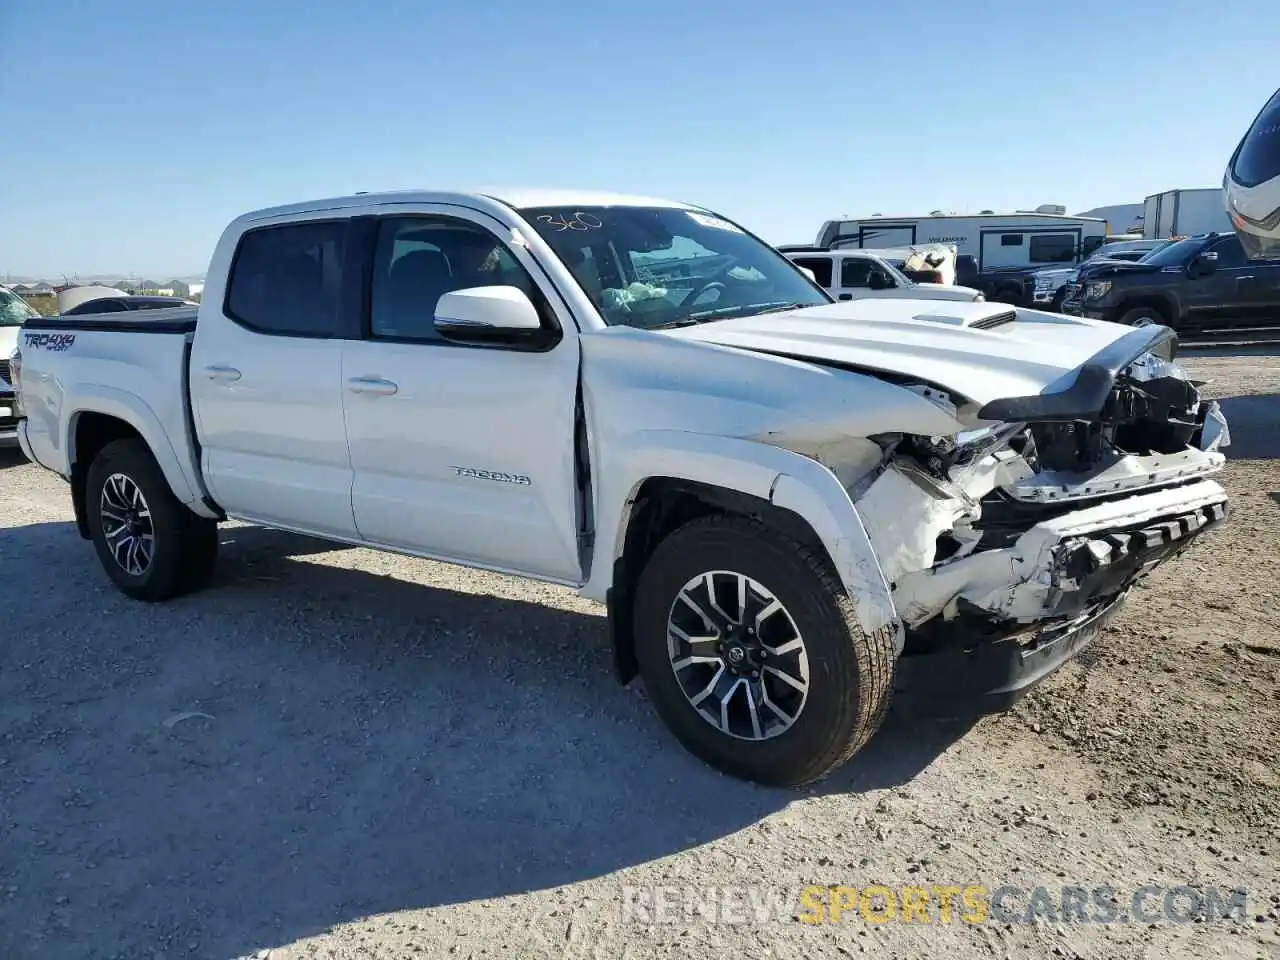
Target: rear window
x: 287, y: 280
x: 819, y: 266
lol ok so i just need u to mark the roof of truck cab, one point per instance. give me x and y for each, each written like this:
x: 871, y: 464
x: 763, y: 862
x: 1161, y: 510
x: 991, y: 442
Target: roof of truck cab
x: 517, y: 197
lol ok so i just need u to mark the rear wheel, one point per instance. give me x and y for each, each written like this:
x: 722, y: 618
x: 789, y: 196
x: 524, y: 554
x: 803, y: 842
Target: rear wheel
x: 1142, y: 317
x: 752, y: 654
x: 151, y: 546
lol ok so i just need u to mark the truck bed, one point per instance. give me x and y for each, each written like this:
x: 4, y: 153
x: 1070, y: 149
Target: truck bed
x: 172, y: 320
x: 103, y: 363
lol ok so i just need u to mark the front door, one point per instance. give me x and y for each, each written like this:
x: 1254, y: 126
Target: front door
x: 266, y: 386
x: 463, y: 453
x: 854, y: 278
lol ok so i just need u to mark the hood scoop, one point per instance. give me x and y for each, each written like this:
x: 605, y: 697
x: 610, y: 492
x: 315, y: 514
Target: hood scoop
x: 981, y: 323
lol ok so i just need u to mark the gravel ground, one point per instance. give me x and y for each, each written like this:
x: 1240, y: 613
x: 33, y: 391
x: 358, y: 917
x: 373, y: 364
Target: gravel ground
x: 340, y: 753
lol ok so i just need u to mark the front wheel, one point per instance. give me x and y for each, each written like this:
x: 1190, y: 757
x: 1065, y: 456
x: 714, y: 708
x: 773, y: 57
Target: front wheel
x: 151, y: 546
x: 752, y: 654
x: 1142, y: 317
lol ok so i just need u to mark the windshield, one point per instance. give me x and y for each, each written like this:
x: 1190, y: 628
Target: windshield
x: 1146, y: 257
x: 656, y: 267
x: 14, y: 311
x: 894, y: 269
x: 1175, y: 254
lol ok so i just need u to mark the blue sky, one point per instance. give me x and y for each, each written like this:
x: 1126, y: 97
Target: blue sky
x: 134, y: 129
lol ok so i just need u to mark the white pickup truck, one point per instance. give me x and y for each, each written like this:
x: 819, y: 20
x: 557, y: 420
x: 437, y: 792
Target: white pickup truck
x: 779, y: 497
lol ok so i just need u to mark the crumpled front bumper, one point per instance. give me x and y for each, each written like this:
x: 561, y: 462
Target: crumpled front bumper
x: 1064, y: 565
x: 993, y: 675
x: 1016, y: 614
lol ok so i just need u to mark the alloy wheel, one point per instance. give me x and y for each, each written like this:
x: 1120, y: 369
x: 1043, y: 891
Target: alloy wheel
x: 737, y: 655
x: 126, y: 524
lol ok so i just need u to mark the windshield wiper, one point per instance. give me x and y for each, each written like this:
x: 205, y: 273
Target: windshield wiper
x: 729, y: 313
x: 781, y: 307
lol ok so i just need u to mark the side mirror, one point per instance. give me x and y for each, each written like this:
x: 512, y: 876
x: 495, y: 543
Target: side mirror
x: 1204, y: 264
x: 808, y: 273
x: 877, y: 280
x: 488, y: 315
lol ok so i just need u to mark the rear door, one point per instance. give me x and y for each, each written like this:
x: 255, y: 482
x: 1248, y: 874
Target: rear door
x: 1229, y: 296
x: 1267, y: 277
x: 266, y: 380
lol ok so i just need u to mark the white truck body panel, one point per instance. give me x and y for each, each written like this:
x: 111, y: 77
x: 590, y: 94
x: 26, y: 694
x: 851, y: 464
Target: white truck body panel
x: 1035, y: 353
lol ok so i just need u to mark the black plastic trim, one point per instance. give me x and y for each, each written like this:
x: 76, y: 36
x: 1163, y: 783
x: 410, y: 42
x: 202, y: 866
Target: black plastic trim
x: 111, y: 322
x: 1094, y: 381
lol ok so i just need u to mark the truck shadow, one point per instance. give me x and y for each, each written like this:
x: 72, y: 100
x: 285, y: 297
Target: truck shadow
x: 371, y: 745
x: 12, y: 457
x: 1254, y: 420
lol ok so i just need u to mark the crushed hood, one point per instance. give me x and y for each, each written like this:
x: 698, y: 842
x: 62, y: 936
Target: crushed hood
x: 985, y: 352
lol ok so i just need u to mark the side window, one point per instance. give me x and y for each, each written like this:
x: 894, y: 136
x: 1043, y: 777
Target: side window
x: 1010, y: 239
x: 1090, y: 245
x: 1052, y: 248
x: 419, y: 259
x: 819, y: 266
x: 288, y: 280
x: 855, y: 271
x: 1230, y: 253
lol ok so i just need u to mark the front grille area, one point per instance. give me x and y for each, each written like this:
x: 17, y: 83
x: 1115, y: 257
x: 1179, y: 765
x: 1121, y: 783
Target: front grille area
x: 4, y: 371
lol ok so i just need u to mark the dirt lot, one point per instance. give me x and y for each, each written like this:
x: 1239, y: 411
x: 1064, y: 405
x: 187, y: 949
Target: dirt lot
x: 395, y: 758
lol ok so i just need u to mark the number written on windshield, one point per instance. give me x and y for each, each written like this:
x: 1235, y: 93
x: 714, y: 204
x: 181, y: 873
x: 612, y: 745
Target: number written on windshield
x: 578, y: 220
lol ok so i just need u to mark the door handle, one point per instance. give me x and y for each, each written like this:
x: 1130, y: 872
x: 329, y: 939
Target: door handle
x: 374, y: 385
x: 218, y: 371
x: 846, y: 296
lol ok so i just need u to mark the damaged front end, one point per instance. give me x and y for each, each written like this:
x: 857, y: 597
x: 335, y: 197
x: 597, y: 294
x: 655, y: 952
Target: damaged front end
x: 1007, y: 547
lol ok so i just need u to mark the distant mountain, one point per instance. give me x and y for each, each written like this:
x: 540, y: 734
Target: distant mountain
x: 1121, y: 217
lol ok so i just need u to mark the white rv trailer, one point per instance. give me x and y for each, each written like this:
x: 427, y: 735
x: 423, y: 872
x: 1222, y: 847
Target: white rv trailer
x: 1040, y: 237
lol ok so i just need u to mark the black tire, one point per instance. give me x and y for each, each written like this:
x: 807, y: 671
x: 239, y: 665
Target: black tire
x: 184, y: 545
x: 850, y: 672
x: 1141, y: 316
x: 201, y: 552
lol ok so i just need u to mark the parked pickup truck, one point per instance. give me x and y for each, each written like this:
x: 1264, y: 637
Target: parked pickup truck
x: 779, y: 497
x: 1198, y: 285
x: 14, y: 312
